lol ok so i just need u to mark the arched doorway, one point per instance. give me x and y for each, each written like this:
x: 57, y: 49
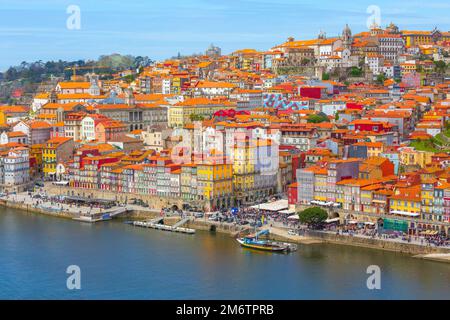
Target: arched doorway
x: 333, y: 215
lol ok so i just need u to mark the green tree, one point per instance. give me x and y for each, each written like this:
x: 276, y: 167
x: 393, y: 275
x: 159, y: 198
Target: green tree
x: 381, y: 78
x: 305, y: 61
x: 325, y: 76
x: 440, y: 66
x: 313, y: 217
x: 196, y: 117
x: 130, y: 78
x: 336, y: 116
x: 356, y: 72
x: 318, y: 118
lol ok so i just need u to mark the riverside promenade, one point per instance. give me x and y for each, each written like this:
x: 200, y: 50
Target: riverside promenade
x: 278, y: 231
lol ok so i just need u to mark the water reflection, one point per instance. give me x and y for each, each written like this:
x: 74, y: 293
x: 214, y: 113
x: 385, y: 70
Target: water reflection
x: 119, y: 261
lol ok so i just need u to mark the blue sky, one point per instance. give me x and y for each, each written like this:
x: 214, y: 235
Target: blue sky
x: 36, y: 29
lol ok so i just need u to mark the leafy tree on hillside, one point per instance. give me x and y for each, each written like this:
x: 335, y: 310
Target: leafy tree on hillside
x: 356, y: 72
x: 381, y: 78
x: 318, y: 118
x: 440, y: 66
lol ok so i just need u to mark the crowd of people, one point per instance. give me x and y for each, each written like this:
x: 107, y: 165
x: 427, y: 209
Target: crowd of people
x: 366, y: 230
x: 437, y: 240
x: 264, y: 216
x: 372, y: 232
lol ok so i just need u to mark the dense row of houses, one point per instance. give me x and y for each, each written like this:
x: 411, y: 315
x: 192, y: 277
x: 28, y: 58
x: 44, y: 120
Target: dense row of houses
x: 217, y: 131
x: 370, y: 187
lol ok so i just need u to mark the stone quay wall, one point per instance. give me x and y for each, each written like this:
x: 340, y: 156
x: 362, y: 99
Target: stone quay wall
x: 408, y: 248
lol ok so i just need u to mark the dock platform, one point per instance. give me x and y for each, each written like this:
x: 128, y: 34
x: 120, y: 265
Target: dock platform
x: 102, y: 216
x: 163, y: 227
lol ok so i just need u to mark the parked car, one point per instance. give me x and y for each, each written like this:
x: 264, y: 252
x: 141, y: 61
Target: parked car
x: 198, y: 215
x: 213, y: 217
x: 292, y: 233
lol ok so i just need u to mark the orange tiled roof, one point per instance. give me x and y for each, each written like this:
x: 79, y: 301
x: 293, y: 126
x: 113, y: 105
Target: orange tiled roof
x: 74, y: 85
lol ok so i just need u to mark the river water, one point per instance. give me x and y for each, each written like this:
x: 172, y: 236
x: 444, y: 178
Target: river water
x: 118, y: 261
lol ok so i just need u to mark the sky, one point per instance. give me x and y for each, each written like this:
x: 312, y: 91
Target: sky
x: 33, y: 30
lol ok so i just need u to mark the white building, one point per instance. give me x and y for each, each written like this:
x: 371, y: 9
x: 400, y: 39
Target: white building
x: 391, y: 46
x: 87, y: 131
x: 247, y: 99
x: 39, y: 100
x: 388, y: 70
x: 330, y: 108
x: 212, y: 89
x: 166, y: 85
x: 375, y: 63
x: 16, y: 167
x: 37, y: 131
x: 15, y: 136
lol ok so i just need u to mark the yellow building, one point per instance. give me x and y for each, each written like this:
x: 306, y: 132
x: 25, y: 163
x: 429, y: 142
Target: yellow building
x: 3, y: 118
x: 406, y: 202
x: 428, y: 182
x: 349, y: 191
x: 214, y: 183
x: 182, y: 113
x: 55, y: 151
x: 412, y: 157
x: 406, y: 68
x: 320, y: 184
x: 178, y: 81
x: 255, y: 169
x: 243, y: 169
x: 176, y: 85
x: 427, y: 195
x: 36, y: 153
x: 416, y: 38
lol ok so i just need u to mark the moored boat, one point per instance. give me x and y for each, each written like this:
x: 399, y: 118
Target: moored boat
x: 266, y: 245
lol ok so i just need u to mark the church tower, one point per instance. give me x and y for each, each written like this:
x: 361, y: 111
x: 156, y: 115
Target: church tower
x: 322, y: 35
x: 129, y: 97
x: 53, y: 97
x: 347, y: 39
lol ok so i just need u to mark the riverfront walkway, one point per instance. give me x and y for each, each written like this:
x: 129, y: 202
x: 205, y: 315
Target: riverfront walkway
x: 26, y: 200
x: 281, y: 229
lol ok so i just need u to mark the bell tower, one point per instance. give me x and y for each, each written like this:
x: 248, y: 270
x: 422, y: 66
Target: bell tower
x: 347, y: 38
x: 53, y: 97
x: 129, y: 97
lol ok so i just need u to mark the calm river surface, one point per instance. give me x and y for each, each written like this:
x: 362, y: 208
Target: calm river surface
x: 119, y: 261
